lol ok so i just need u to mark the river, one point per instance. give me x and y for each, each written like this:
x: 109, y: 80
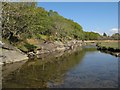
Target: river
x: 83, y: 68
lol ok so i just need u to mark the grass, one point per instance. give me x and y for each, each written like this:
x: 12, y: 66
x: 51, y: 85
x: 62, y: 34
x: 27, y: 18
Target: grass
x: 114, y: 45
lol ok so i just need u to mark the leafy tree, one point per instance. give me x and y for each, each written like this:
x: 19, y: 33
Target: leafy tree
x: 91, y: 36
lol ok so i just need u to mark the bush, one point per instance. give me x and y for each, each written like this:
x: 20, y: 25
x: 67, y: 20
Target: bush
x: 117, y: 50
x: 111, y: 49
x: 30, y: 47
x: 104, y: 48
x: 23, y: 48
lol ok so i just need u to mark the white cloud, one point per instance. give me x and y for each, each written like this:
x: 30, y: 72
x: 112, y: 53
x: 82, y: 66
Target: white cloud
x: 113, y: 30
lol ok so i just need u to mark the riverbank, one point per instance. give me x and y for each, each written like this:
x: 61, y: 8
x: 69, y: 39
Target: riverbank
x: 86, y: 66
x: 109, y: 47
x: 48, y: 47
x: 11, y: 54
x: 40, y: 60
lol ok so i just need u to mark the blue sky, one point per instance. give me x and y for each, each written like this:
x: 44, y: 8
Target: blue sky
x: 92, y: 16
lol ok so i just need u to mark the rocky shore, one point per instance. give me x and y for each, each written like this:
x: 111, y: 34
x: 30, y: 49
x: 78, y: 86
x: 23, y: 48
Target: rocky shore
x: 49, y: 47
x: 10, y: 54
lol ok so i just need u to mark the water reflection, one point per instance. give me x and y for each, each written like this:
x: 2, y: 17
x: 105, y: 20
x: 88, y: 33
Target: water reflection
x: 69, y: 69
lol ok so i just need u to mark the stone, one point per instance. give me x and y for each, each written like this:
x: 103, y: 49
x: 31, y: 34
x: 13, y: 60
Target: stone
x: 31, y: 55
x: 10, y: 56
x: 1, y: 43
x: 62, y: 48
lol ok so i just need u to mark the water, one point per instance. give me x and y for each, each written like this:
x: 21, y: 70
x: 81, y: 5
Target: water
x: 82, y: 68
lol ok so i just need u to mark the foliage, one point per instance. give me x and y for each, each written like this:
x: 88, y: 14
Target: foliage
x: 114, y: 45
x: 116, y: 36
x: 91, y: 36
x: 23, y: 20
x: 104, y: 34
x: 30, y: 47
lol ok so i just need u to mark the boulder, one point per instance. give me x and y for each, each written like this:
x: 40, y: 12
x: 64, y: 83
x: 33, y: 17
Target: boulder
x: 60, y: 48
x: 1, y: 44
x: 31, y: 55
x: 10, y: 56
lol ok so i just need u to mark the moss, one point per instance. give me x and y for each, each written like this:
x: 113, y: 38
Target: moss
x: 23, y: 48
x: 30, y: 47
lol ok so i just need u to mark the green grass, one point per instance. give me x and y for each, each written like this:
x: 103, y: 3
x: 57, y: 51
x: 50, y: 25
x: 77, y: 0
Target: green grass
x: 114, y: 45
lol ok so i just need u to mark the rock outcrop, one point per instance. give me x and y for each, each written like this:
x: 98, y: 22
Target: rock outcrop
x: 48, y: 47
x: 10, y: 54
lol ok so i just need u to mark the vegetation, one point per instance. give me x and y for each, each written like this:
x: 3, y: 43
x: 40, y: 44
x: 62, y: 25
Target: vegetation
x: 115, y: 36
x: 22, y: 21
x: 114, y: 45
x: 30, y: 47
x: 109, y: 47
x: 25, y: 20
x: 91, y: 36
x: 104, y: 34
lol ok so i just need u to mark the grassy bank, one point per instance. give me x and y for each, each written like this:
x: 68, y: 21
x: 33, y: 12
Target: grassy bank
x: 109, y: 47
x: 114, y: 45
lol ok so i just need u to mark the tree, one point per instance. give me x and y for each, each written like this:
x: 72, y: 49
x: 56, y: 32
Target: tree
x: 104, y: 34
x: 115, y: 36
x: 23, y: 21
x: 92, y: 36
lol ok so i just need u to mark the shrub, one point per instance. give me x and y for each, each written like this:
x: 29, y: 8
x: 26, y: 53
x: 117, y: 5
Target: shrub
x: 30, y: 47
x: 104, y: 48
x: 111, y: 49
x: 117, y: 50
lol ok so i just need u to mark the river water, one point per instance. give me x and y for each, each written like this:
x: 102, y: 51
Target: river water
x: 82, y: 68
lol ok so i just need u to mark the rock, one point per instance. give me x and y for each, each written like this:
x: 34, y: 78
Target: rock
x: 60, y: 48
x: 10, y: 56
x: 31, y: 55
x: 42, y: 51
x: 1, y: 63
x: 71, y: 47
x: 67, y: 48
x: 58, y: 43
x: 59, y: 54
x: 1, y: 43
x: 117, y: 54
x: 48, y: 47
x: 38, y: 52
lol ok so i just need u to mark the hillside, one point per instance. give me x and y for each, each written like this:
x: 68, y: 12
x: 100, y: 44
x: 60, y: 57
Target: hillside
x: 26, y: 26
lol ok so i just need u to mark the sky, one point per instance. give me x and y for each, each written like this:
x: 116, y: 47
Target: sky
x: 98, y: 17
